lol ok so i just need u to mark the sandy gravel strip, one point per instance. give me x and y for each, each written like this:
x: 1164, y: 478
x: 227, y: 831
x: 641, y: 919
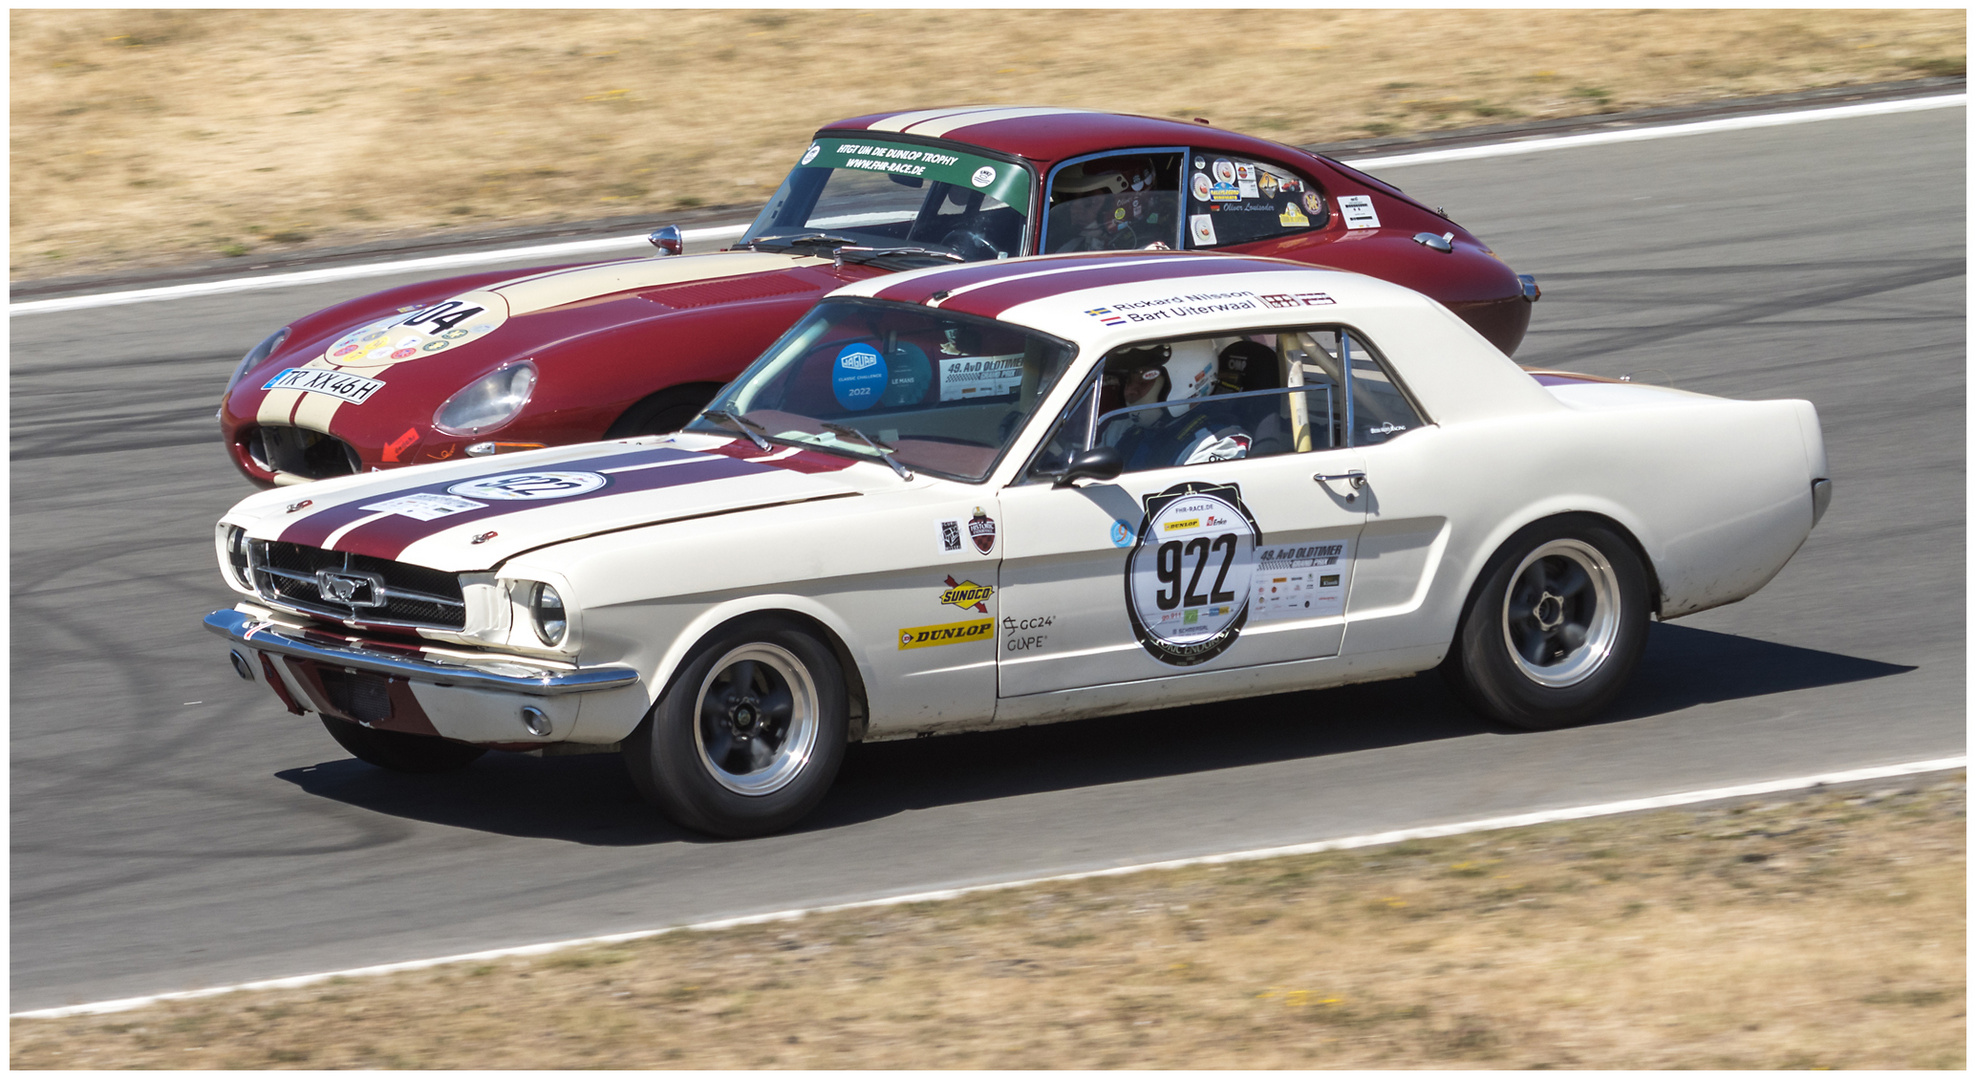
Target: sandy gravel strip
x: 1626, y: 806
x: 729, y: 232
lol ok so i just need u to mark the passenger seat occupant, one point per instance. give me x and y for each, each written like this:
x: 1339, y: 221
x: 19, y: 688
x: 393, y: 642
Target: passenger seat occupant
x: 1110, y: 204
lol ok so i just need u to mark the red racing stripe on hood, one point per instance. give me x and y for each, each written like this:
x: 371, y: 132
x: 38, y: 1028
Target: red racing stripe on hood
x: 315, y: 529
x: 388, y: 536
x: 990, y: 301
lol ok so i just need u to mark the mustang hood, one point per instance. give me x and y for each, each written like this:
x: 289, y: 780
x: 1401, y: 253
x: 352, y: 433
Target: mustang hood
x: 473, y: 515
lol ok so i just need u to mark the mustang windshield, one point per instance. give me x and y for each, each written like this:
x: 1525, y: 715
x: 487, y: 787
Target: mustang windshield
x: 938, y: 392
x: 877, y: 194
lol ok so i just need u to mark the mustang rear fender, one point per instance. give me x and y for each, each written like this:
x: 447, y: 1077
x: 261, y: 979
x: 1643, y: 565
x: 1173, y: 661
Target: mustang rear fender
x: 1493, y: 550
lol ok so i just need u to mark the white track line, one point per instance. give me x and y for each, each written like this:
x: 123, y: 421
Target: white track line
x: 1656, y: 802
x: 1668, y: 131
x: 728, y: 232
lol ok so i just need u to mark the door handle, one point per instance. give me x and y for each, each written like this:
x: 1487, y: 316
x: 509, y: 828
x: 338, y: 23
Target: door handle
x: 1356, y: 478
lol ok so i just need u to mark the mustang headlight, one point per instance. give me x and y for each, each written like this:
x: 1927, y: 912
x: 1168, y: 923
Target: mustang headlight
x: 545, y: 606
x: 487, y: 402
x: 255, y: 355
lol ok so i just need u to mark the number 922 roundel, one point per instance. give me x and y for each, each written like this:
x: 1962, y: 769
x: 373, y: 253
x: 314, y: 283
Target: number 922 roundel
x: 1013, y: 492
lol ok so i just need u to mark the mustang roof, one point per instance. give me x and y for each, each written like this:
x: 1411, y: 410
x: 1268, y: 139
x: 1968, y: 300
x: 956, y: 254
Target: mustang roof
x: 1043, y: 133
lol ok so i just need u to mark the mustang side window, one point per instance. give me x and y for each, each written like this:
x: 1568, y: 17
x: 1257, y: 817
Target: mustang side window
x: 1378, y: 408
x: 1114, y: 203
x: 1193, y: 401
x: 1233, y: 200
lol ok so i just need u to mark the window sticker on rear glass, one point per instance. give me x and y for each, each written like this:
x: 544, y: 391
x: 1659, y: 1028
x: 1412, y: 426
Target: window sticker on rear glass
x: 1244, y: 201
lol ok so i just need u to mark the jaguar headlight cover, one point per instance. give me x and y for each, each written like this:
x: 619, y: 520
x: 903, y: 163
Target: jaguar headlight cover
x: 488, y: 402
x: 257, y: 354
x: 545, y: 606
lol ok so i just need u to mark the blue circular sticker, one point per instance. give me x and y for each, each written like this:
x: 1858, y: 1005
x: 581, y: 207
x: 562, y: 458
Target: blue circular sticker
x: 1121, y: 534
x: 858, y: 377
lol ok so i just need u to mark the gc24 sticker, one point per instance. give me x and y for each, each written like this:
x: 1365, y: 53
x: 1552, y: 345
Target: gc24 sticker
x: 1188, y: 578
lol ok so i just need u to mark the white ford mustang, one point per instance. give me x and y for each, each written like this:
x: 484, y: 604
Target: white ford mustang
x: 1018, y: 492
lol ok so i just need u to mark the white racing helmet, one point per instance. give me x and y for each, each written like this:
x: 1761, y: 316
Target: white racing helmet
x: 1190, y: 373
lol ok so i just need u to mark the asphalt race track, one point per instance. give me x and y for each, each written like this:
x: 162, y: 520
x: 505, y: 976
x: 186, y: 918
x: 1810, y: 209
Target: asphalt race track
x: 173, y: 827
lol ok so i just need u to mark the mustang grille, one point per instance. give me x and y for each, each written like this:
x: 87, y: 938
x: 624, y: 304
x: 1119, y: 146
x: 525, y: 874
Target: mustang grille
x: 375, y: 590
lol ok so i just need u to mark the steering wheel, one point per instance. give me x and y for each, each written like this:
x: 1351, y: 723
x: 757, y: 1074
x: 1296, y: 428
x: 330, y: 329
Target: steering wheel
x: 970, y: 245
x: 1124, y: 238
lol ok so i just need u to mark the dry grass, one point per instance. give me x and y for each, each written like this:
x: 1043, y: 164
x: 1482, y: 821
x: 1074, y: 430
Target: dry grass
x: 154, y: 136
x: 1822, y: 930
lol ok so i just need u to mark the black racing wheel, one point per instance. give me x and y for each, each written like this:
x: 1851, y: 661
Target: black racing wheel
x: 1554, y: 628
x: 750, y: 733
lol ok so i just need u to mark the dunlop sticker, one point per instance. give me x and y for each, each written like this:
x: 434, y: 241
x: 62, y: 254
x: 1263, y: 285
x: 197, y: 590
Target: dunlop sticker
x: 920, y: 637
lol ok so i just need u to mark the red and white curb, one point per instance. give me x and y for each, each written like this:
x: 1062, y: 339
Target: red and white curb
x: 1541, y: 817
x: 632, y: 244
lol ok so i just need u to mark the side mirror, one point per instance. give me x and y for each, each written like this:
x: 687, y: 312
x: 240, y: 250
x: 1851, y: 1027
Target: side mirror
x: 1097, y: 463
x: 668, y: 239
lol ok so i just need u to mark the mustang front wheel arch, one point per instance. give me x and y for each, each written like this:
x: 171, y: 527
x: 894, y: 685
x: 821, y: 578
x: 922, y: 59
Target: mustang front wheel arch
x: 750, y: 733
x: 1555, y: 626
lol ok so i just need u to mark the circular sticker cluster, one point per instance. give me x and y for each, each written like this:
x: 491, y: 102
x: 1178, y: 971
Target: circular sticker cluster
x: 429, y: 330
x: 1188, y: 577
x: 529, y: 485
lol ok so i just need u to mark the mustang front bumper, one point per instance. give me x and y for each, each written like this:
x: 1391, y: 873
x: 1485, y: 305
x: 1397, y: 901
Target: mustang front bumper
x: 498, y: 700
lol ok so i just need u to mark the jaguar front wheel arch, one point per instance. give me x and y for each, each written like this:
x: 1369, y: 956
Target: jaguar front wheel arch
x: 749, y: 735
x: 1555, y: 626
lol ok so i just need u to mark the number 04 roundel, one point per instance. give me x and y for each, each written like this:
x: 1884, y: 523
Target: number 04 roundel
x: 1187, y: 579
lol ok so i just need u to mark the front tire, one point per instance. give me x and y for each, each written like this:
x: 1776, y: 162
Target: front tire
x: 1555, y: 628
x: 749, y: 735
x: 399, y: 752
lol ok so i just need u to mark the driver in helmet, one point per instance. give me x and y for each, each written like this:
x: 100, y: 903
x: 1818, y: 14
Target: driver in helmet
x: 1183, y: 433
x: 1109, y: 205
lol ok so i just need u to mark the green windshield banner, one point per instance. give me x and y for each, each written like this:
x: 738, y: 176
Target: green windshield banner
x: 969, y: 172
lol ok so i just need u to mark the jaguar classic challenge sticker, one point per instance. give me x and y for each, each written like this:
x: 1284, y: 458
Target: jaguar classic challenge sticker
x: 425, y: 331
x: 1301, y: 581
x: 354, y: 389
x: 920, y: 637
x: 1189, y: 577
x: 983, y: 176
x: 1358, y: 212
x: 966, y: 595
x: 858, y: 377
x: 529, y: 486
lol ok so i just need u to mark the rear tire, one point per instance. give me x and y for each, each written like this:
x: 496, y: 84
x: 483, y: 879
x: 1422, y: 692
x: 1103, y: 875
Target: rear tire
x: 665, y: 411
x: 1555, y: 627
x: 399, y: 752
x: 749, y: 735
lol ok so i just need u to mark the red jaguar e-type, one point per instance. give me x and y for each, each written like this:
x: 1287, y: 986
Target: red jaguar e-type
x: 486, y: 363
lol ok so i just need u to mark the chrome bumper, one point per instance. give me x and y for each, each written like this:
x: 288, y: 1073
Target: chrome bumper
x: 514, y: 676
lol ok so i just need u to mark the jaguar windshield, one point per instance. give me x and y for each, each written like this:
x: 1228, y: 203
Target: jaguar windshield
x: 921, y: 389
x: 904, y: 200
